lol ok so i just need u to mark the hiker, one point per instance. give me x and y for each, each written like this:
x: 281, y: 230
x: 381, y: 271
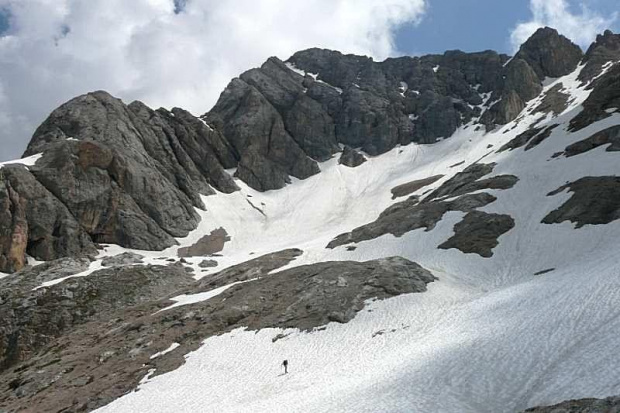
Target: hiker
x: 285, y: 364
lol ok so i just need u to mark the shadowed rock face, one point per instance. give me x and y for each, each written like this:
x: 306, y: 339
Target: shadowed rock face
x: 104, y: 354
x: 595, y: 201
x: 478, y: 232
x: 608, y: 405
x: 545, y: 54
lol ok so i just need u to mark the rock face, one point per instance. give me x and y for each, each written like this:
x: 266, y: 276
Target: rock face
x: 550, y: 54
x: 408, y: 216
x: 34, y: 221
x: 126, y: 258
x: 282, y: 116
x: 545, y: 54
x: 605, y: 49
x: 595, y: 201
x: 469, y: 181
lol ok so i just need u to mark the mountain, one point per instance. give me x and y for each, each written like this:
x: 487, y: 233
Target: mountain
x: 434, y: 233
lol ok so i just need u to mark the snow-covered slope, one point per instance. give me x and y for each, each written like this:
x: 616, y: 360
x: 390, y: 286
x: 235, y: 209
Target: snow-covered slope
x: 488, y: 336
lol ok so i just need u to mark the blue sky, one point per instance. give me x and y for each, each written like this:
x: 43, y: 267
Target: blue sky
x: 474, y: 25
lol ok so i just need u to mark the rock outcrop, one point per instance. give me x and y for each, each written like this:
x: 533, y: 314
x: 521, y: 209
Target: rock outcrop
x: 351, y: 158
x: 478, y: 232
x: 413, y: 186
x: 478, y: 228
x: 595, y: 200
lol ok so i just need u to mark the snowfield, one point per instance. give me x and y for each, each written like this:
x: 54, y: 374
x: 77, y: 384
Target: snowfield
x: 488, y: 335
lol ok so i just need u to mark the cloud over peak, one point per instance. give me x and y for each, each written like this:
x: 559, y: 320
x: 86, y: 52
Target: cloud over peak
x: 167, y: 52
x: 581, y: 27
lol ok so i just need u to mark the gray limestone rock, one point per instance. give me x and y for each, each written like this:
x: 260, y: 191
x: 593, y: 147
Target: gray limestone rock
x: 102, y: 356
x: 410, y: 215
x: 478, y: 232
x: 605, y: 49
x: 595, y: 200
x: 469, y: 181
x: 550, y: 54
x: 530, y: 138
x: 554, y: 101
x: 33, y: 318
x: 35, y: 222
x: 207, y: 264
x: 413, y: 186
x: 207, y: 245
x: 126, y: 258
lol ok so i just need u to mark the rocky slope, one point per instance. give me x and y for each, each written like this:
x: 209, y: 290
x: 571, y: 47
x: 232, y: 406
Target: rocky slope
x: 444, y: 219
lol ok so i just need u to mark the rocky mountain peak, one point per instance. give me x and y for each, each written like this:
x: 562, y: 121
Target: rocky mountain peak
x: 550, y: 54
x: 604, y: 50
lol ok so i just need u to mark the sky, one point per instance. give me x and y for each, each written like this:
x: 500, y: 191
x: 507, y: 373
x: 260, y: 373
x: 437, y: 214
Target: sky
x: 182, y: 53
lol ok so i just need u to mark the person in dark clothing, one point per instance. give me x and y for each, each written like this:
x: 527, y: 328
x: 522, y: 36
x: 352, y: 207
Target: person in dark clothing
x: 285, y: 364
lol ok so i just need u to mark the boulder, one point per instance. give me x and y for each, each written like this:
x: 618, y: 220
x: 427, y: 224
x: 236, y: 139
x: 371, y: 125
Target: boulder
x: 351, y: 158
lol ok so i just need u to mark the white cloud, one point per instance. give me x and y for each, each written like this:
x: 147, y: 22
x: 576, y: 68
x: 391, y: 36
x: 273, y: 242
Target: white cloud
x: 581, y: 28
x: 141, y: 49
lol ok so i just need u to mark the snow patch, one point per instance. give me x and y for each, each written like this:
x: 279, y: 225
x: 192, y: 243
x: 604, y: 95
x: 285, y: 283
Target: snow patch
x: 187, y: 299
x: 172, y: 347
